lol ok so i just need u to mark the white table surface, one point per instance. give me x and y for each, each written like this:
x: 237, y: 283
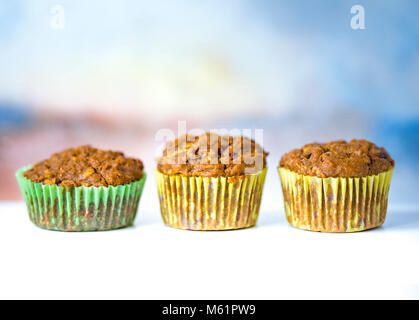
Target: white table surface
x: 152, y: 261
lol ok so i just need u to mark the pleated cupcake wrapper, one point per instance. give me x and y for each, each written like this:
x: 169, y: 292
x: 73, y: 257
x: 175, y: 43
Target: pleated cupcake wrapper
x: 207, y: 203
x: 80, y: 208
x: 335, y: 204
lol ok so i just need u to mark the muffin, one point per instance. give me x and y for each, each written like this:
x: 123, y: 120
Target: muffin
x: 211, y: 182
x: 83, y: 189
x: 337, y: 186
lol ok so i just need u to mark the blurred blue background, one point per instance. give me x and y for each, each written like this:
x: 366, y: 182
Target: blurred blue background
x: 111, y: 73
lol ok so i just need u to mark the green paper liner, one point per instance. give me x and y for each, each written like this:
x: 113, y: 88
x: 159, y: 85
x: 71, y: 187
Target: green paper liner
x: 60, y: 208
x: 209, y: 203
x: 335, y: 204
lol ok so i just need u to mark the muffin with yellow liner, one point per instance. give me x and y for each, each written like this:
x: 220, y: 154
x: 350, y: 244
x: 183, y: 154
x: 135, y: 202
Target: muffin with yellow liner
x: 337, y: 186
x: 211, y: 182
x: 83, y: 189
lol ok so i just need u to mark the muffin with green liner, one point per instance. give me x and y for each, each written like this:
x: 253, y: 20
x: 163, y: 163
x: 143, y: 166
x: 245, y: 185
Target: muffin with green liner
x: 83, y: 189
x: 337, y: 186
x: 211, y: 182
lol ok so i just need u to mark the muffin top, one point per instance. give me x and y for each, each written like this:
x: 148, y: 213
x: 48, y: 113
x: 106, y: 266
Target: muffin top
x: 357, y: 158
x: 86, y: 166
x: 212, y: 155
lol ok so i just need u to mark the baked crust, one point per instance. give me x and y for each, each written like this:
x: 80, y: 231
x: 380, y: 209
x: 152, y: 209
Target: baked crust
x: 86, y: 166
x: 357, y: 158
x: 212, y: 155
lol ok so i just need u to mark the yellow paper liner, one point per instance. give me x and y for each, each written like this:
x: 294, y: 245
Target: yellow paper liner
x: 335, y: 204
x: 206, y: 203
